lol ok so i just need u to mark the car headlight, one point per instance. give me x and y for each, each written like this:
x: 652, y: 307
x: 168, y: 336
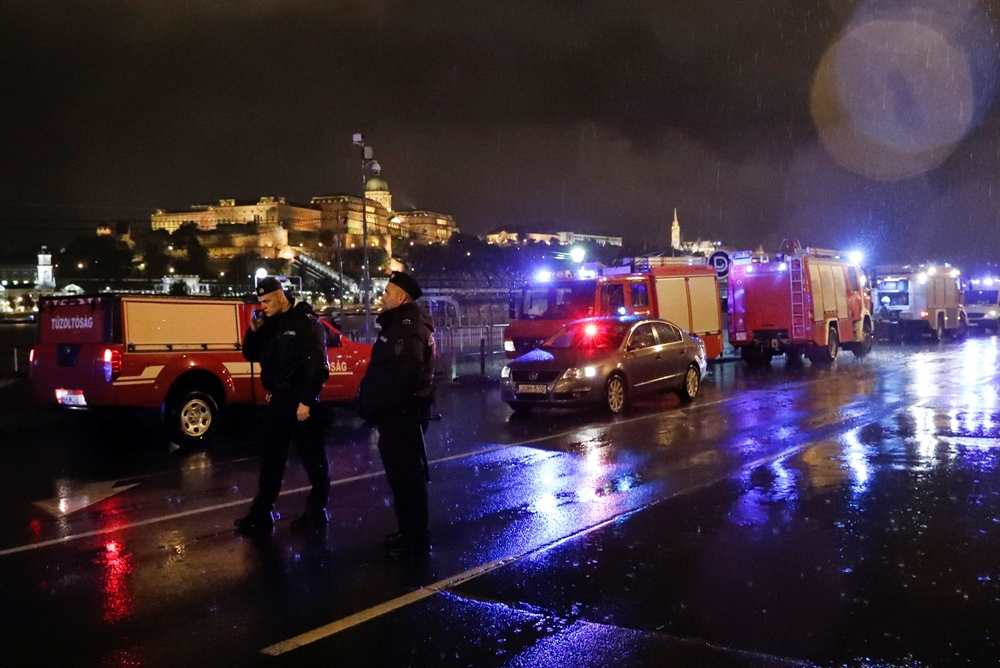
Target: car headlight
x: 993, y: 314
x: 505, y: 372
x: 508, y: 346
x: 580, y: 372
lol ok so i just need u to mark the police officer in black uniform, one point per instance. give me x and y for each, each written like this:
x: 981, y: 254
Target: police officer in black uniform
x: 396, y: 393
x: 289, y: 342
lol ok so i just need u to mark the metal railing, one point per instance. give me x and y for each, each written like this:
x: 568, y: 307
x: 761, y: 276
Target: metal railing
x: 464, y: 339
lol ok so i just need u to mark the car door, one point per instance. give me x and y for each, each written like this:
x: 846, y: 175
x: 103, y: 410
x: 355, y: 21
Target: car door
x: 642, y: 357
x: 673, y: 352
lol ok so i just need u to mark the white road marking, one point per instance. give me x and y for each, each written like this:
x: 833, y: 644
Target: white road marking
x: 441, y: 585
x: 78, y: 497
x: 363, y: 476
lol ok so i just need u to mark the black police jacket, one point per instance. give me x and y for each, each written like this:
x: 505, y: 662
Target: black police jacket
x: 400, y: 375
x: 291, y: 350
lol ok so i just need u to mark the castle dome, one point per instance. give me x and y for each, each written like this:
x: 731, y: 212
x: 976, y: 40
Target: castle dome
x: 376, y: 184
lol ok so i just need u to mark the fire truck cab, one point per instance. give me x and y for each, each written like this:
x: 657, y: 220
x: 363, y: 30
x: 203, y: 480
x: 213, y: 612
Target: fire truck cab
x: 917, y: 300
x: 685, y: 292
x: 982, y: 302
x: 179, y: 355
x: 808, y: 301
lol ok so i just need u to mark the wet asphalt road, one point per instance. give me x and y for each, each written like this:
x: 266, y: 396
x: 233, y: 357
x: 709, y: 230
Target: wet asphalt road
x: 789, y: 516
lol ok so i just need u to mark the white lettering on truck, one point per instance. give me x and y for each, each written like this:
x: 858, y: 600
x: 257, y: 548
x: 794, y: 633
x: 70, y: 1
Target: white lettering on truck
x: 76, y: 322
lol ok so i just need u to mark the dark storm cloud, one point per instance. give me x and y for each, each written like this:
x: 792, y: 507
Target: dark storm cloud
x: 599, y: 115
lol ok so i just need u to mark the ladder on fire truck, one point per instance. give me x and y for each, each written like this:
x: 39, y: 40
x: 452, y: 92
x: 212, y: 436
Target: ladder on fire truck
x: 798, y: 298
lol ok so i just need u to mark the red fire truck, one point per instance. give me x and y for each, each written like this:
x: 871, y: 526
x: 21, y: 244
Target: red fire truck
x: 686, y: 294
x: 180, y: 355
x: 810, y: 301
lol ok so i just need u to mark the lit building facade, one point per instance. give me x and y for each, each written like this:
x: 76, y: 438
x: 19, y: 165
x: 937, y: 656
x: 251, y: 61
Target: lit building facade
x: 268, y: 212
x: 505, y: 237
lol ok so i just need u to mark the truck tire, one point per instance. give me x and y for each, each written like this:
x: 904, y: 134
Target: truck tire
x: 753, y: 355
x: 692, y: 384
x: 828, y: 353
x: 937, y: 333
x: 864, y: 346
x: 615, y: 394
x: 192, y: 416
x: 959, y: 333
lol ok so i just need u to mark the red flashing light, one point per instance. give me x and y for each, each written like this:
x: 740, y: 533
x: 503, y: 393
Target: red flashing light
x: 112, y: 364
x: 590, y: 330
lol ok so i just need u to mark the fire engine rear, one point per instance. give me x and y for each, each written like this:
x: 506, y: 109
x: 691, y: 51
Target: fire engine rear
x: 180, y: 355
x: 801, y: 301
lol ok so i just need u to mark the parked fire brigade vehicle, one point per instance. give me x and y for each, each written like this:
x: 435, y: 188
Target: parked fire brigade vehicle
x: 179, y: 355
x: 810, y: 301
x: 982, y: 303
x: 684, y: 293
x: 914, y: 300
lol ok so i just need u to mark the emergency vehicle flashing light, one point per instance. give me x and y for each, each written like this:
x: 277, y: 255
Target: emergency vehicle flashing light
x: 543, y: 276
x: 112, y: 364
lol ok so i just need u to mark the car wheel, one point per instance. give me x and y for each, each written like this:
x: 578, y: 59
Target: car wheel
x: 615, y: 394
x: 193, y: 416
x: 692, y: 384
x: 864, y: 346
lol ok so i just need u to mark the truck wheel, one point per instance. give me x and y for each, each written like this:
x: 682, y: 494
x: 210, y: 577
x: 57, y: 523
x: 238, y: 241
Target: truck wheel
x: 615, y: 394
x: 193, y: 416
x: 828, y: 354
x: 692, y: 384
x: 864, y: 346
x: 753, y: 355
x: 938, y: 332
x: 960, y: 332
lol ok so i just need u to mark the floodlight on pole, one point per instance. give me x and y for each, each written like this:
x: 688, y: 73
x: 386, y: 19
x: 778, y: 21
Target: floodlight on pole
x: 259, y: 275
x: 577, y: 253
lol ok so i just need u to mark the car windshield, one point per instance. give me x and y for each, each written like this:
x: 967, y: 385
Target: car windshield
x: 589, y: 335
x: 566, y: 300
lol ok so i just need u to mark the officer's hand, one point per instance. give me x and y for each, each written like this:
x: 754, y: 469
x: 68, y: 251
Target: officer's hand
x: 256, y: 322
x: 302, y: 413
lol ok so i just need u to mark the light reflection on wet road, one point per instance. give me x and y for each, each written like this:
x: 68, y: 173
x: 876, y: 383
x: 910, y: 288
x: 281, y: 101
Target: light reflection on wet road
x: 802, y: 513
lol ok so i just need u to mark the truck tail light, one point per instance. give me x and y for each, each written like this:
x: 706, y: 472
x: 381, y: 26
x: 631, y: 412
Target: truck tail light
x: 112, y: 364
x: 31, y: 356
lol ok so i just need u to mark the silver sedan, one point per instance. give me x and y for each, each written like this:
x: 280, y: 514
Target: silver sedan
x: 606, y: 361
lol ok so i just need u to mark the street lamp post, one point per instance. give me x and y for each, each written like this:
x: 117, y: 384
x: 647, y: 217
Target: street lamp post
x: 367, y: 161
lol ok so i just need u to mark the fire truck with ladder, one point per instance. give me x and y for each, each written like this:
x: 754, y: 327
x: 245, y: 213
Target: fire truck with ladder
x: 808, y: 301
x: 684, y: 291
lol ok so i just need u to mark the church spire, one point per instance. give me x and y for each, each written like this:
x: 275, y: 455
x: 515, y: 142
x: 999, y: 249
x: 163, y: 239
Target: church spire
x: 675, y: 232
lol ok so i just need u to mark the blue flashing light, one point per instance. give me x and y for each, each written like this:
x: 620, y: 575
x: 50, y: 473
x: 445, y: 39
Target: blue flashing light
x: 783, y: 266
x: 543, y: 276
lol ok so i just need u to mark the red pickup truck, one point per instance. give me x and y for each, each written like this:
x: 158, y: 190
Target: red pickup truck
x: 180, y: 355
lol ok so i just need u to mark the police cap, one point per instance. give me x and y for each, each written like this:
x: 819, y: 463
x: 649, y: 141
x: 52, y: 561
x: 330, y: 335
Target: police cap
x: 268, y: 284
x: 407, y: 283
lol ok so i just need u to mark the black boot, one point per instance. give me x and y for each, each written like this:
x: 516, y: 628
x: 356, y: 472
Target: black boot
x: 401, y: 546
x: 255, y: 524
x: 310, y: 520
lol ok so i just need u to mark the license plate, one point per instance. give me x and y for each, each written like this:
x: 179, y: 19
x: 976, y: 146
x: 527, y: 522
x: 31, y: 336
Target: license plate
x: 72, y: 400
x: 532, y: 389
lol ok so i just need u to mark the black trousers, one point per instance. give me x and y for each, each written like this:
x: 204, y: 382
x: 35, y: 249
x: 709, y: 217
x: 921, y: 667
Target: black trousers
x: 400, y: 443
x: 280, y: 426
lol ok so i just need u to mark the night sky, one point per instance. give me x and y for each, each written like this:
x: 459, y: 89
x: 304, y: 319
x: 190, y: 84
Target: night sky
x: 846, y: 124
